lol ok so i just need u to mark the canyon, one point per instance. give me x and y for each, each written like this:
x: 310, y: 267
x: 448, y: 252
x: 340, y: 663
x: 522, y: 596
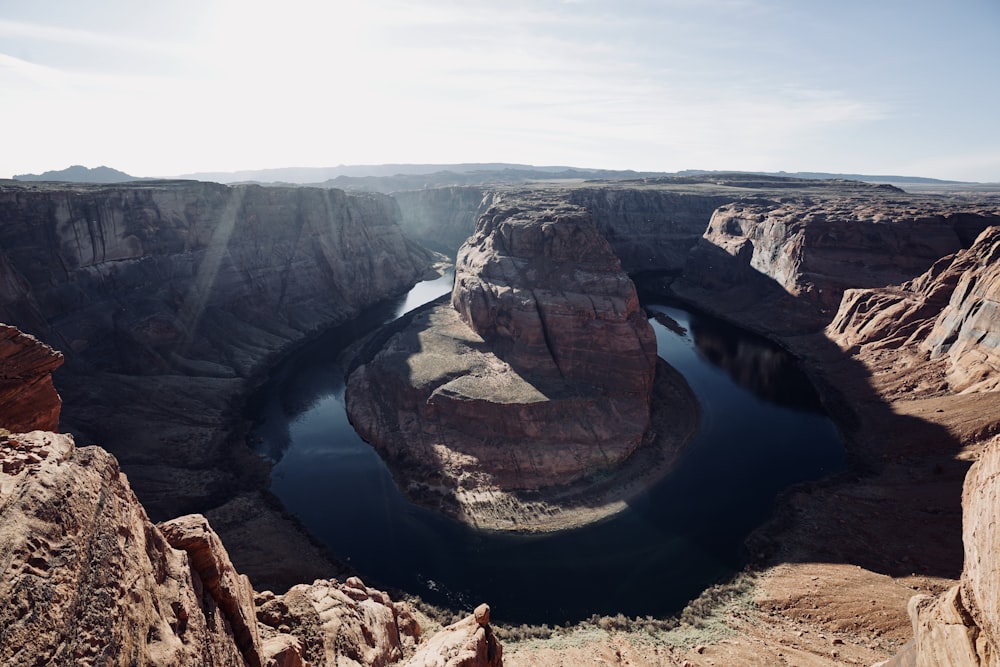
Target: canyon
x: 171, y: 300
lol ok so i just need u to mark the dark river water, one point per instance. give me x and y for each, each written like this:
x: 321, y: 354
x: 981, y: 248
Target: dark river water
x: 762, y: 429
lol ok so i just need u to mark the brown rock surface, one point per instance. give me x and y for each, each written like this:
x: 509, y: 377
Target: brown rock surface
x: 538, y: 374
x: 467, y: 643
x: 87, y: 579
x: 28, y: 400
x: 800, y: 254
x: 339, y: 623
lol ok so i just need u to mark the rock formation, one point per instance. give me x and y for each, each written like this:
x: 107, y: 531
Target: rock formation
x: 170, y: 298
x: 468, y: 643
x: 86, y: 578
x: 28, y: 400
x: 961, y: 627
x: 649, y: 229
x: 538, y: 373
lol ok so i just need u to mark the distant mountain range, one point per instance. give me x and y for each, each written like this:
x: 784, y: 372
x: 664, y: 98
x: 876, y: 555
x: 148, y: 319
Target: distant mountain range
x: 396, y: 177
x: 80, y: 174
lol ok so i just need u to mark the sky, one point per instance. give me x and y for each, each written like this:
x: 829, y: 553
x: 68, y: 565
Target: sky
x: 904, y: 87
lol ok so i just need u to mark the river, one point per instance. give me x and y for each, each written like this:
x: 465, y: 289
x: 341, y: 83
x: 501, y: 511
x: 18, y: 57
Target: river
x: 762, y: 429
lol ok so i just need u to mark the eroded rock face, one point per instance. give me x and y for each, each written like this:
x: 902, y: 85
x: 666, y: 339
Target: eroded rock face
x: 802, y: 254
x: 961, y: 627
x: 545, y: 290
x: 338, y: 623
x: 28, y: 400
x: 967, y: 333
x: 88, y: 579
x: 442, y: 218
x: 649, y: 229
x: 947, y: 315
x: 468, y: 643
x: 168, y: 298
x: 537, y: 373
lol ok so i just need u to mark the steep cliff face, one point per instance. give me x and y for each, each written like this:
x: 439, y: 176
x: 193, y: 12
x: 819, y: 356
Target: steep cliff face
x: 649, y: 229
x: 961, y: 627
x: 967, y: 333
x: 538, y: 373
x: 168, y: 297
x: 28, y: 400
x: 945, y: 320
x: 801, y: 254
x: 441, y: 218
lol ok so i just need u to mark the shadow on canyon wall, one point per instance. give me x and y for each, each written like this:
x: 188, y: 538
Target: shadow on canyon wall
x: 897, y: 508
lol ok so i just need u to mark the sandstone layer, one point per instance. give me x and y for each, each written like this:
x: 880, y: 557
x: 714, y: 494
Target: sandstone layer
x: 800, y: 254
x: 538, y: 373
x: 170, y: 299
x: 28, y: 399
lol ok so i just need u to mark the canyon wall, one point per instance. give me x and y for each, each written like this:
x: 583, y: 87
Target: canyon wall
x: 650, y: 229
x: 169, y: 298
x: 800, y: 254
x: 441, y: 218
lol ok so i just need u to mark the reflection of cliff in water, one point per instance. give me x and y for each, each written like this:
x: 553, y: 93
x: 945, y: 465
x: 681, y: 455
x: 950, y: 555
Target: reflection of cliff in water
x: 755, y: 363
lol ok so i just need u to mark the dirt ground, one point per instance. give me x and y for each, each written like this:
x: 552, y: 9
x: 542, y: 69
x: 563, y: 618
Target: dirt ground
x: 833, y: 571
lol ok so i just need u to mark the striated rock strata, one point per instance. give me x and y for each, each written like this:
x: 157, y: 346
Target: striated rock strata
x: 170, y: 298
x: 28, y: 399
x: 800, y: 254
x: 86, y: 578
x: 538, y: 373
x: 944, y: 322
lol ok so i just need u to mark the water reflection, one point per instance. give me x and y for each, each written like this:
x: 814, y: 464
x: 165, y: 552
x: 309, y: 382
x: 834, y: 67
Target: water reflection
x: 755, y: 363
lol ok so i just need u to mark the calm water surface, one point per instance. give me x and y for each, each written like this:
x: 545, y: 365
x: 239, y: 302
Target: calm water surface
x: 762, y: 430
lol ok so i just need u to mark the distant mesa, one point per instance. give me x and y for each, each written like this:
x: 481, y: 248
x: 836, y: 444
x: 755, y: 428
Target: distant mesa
x: 80, y: 174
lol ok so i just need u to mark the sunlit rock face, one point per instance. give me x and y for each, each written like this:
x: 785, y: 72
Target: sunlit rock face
x: 537, y: 373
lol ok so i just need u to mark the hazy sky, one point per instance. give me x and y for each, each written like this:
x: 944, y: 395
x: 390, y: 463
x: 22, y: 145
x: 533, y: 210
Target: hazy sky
x: 907, y: 87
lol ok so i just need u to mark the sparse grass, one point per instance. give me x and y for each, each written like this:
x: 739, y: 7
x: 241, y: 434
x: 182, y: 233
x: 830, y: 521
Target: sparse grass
x: 702, y: 621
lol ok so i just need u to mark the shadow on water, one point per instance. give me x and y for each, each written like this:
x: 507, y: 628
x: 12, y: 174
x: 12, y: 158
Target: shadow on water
x: 685, y: 534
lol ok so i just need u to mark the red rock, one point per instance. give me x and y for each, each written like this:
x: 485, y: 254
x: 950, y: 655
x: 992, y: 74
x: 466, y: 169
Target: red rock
x: 468, y: 643
x: 28, y: 400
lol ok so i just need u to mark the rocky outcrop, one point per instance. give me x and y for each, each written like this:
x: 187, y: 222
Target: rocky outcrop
x: 169, y: 298
x: 967, y: 333
x: 537, y: 374
x: 87, y: 579
x: 468, y: 643
x: 800, y: 254
x: 28, y: 400
x: 947, y: 315
x: 961, y: 627
x: 546, y: 292
x: 344, y: 623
